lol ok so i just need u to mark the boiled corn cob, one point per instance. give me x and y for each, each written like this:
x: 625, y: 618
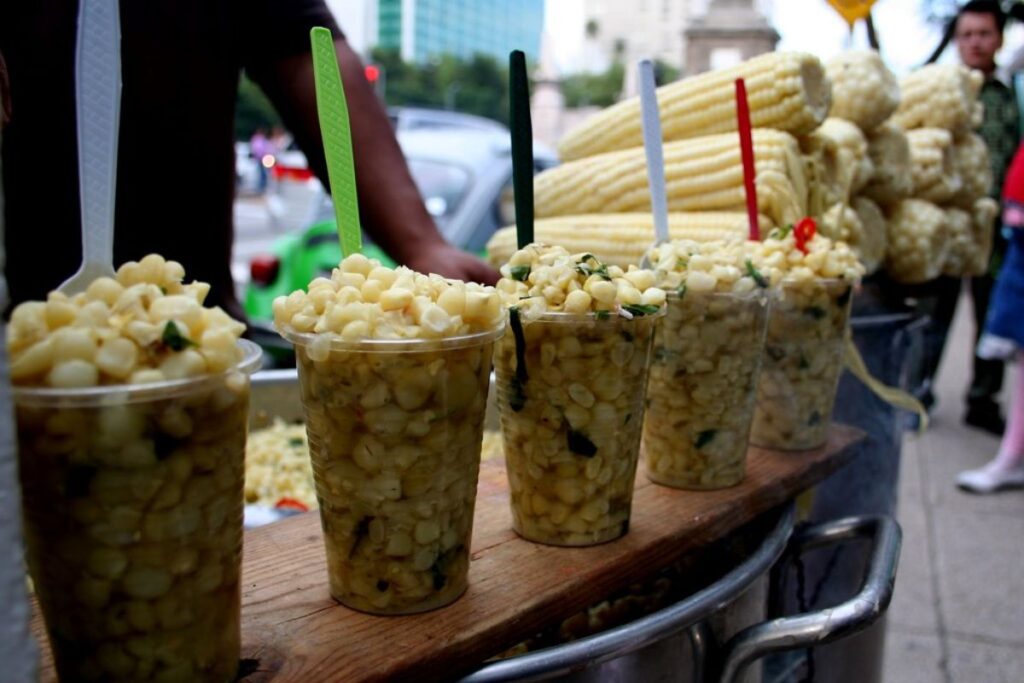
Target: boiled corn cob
x: 971, y: 159
x: 701, y: 174
x: 940, y: 96
x: 622, y: 238
x: 874, y: 234
x: 889, y: 151
x: 936, y: 177
x: 843, y: 223
x: 962, y: 244
x: 864, y: 91
x: 786, y: 90
x: 918, y: 241
x: 855, y: 168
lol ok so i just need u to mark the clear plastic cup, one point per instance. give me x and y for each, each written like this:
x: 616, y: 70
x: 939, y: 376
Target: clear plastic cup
x: 395, y: 429
x: 700, y: 399
x: 132, y: 499
x: 803, y: 359
x: 571, y: 398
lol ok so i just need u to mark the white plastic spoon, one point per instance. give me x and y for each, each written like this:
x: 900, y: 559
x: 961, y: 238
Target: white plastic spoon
x: 651, y: 123
x: 98, y: 108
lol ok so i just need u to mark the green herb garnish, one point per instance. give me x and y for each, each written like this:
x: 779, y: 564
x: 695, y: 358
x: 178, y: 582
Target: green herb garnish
x: 780, y: 233
x: 756, y: 274
x: 816, y: 312
x: 359, y: 534
x: 520, y: 273
x: 439, y: 570
x: 704, y: 438
x: 641, y: 309
x: 517, y: 399
x: 580, y: 444
x: 602, y: 315
x: 173, y: 339
x: 681, y: 290
x: 585, y: 269
x: 681, y: 263
x: 295, y: 442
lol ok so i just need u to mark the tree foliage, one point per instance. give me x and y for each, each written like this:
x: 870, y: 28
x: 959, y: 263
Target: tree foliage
x: 253, y: 110
x: 478, y: 85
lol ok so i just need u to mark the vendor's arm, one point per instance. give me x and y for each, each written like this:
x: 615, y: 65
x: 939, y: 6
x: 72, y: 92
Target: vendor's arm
x: 389, y: 201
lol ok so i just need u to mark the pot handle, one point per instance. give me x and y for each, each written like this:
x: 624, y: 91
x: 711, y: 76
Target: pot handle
x: 833, y: 623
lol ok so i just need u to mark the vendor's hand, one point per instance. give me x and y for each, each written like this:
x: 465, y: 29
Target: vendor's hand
x: 451, y: 262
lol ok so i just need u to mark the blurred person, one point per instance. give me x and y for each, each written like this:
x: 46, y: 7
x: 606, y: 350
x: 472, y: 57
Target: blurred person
x: 1003, y: 339
x: 977, y: 31
x: 259, y: 147
x: 181, y: 61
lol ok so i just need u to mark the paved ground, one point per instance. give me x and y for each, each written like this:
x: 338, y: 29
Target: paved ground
x: 957, y: 614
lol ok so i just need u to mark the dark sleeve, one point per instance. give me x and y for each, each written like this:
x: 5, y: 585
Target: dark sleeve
x: 276, y: 29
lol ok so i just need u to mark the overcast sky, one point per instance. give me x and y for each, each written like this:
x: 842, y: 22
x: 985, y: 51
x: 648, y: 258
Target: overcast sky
x: 808, y: 25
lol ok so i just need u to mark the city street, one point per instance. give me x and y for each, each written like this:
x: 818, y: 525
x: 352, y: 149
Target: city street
x: 254, y: 234
x: 956, y: 613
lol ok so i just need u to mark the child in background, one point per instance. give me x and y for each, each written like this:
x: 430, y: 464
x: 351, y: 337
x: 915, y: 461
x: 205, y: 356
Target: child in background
x: 1003, y: 339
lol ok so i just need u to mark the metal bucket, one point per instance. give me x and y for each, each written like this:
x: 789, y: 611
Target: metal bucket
x: 889, y: 337
x: 716, y: 632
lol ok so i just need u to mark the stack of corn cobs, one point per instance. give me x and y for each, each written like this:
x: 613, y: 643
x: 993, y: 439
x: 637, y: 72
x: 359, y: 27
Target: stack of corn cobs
x: 893, y: 168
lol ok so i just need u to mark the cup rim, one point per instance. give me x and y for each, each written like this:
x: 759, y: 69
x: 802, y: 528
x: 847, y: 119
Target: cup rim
x: 756, y: 293
x: 566, y: 318
x: 108, y: 394
x: 305, y: 339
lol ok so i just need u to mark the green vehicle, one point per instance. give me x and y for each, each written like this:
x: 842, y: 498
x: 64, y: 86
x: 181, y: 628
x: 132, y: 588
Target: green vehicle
x: 465, y: 177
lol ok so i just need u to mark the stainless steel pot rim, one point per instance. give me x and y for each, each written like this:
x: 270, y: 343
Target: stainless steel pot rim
x: 596, y: 649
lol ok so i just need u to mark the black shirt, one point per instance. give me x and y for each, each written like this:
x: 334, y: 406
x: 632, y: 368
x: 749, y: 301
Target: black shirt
x: 181, y: 61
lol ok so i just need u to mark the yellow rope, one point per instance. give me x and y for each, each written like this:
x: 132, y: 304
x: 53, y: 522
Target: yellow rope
x: 891, y: 395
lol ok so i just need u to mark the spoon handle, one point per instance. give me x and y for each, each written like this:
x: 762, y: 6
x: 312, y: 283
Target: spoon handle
x: 98, y: 102
x: 651, y: 123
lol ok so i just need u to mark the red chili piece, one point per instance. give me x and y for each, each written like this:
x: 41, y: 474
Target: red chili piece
x: 291, y: 504
x: 804, y: 232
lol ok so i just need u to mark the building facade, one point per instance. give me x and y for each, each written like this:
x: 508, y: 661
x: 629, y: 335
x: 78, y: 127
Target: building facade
x: 422, y: 29
x: 630, y: 31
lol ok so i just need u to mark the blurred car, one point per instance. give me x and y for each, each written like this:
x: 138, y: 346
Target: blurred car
x: 463, y: 172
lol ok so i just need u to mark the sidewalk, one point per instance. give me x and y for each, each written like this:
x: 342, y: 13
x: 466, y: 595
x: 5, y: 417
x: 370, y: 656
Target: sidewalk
x: 957, y: 615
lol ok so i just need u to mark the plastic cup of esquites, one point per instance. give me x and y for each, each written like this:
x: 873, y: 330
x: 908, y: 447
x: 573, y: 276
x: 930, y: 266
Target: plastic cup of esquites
x: 807, y: 326
x: 394, y: 368
x: 131, y: 404
x: 571, y: 379
x: 707, y: 358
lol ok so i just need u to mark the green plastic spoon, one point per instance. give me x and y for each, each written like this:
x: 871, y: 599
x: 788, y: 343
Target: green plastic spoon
x: 337, y: 135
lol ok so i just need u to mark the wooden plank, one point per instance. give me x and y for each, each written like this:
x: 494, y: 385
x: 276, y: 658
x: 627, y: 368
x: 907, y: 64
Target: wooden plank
x: 296, y: 632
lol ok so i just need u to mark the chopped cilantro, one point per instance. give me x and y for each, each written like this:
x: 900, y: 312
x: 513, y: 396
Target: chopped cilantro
x: 704, y: 438
x: 580, y: 444
x: 361, y: 531
x: 780, y: 233
x: 681, y: 290
x: 173, y: 339
x: 602, y: 315
x: 756, y: 274
x: 517, y: 399
x: 520, y: 273
x: 295, y: 442
x: 641, y: 309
